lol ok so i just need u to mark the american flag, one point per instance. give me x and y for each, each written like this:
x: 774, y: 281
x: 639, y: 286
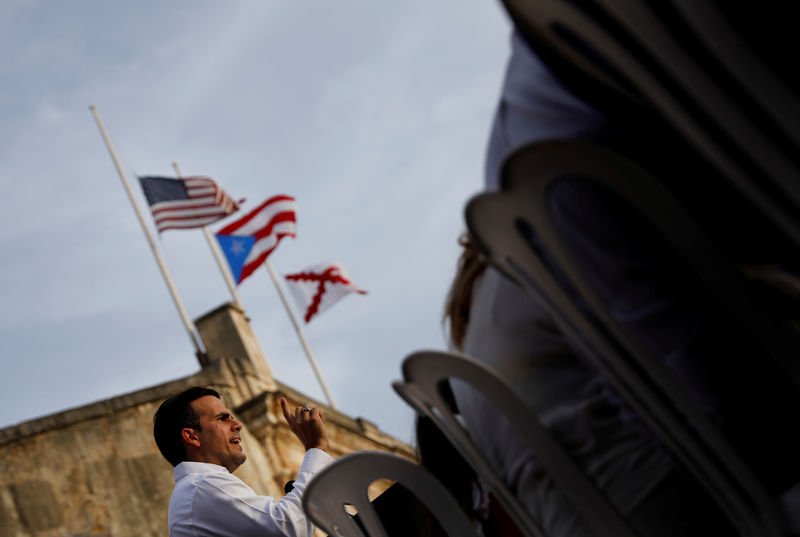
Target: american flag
x: 186, y: 203
x: 248, y: 241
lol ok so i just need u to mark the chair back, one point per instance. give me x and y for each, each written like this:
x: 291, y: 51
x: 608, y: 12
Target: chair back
x: 426, y: 374
x: 346, y: 481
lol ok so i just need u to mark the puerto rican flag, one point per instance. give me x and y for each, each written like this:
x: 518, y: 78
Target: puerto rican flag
x: 248, y: 241
x: 319, y: 287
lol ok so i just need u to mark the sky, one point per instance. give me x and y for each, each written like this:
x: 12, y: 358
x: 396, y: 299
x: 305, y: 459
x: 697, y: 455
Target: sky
x: 373, y: 114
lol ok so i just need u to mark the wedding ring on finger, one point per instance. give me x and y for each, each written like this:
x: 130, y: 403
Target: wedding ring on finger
x: 307, y: 408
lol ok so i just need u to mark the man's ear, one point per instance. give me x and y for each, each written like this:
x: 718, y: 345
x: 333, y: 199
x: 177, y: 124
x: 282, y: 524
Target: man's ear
x: 190, y: 436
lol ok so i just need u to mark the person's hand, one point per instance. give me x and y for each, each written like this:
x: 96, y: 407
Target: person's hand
x: 307, y: 425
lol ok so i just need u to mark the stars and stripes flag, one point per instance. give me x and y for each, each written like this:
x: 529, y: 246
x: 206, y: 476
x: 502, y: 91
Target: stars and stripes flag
x: 186, y: 203
x: 317, y: 288
x: 248, y: 241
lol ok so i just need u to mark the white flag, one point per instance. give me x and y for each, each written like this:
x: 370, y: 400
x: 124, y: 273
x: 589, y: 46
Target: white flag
x: 317, y: 288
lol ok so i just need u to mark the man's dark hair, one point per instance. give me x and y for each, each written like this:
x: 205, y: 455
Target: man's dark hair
x: 172, y: 417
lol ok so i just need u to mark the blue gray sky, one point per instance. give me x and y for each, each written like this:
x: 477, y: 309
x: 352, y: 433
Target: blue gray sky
x: 374, y: 114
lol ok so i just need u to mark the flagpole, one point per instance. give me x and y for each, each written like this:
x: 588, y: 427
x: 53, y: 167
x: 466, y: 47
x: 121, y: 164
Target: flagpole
x: 212, y: 244
x: 190, y: 328
x: 300, y: 334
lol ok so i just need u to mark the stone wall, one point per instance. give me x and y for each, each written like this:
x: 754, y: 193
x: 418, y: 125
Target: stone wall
x: 89, y: 471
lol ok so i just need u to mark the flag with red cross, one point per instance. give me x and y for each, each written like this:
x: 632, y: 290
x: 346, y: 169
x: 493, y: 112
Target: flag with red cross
x: 317, y: 288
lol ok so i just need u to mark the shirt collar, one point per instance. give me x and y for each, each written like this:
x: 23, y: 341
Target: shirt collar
x: 185, y: 468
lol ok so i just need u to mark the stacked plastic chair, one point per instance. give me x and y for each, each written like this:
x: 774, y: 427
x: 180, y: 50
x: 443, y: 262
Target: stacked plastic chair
x: 709, y: 69
x: 425, y: 377
x: 345, y: 483
x: 502, y: 222
x: 704, y: 74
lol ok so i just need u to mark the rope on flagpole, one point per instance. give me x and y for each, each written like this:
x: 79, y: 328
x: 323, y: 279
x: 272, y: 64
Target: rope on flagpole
x: 300, y: 335
x: 190, y: 328
x: 223, y: 266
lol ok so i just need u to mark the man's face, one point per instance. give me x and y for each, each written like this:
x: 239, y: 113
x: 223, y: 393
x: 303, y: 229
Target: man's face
x: 220, y: 442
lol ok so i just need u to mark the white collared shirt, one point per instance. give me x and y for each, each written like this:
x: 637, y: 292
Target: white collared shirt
x: 208, y: 501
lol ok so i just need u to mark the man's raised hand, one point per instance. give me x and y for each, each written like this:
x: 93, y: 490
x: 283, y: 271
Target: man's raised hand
x: 307, y: 424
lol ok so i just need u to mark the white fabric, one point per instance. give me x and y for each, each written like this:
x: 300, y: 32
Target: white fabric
x: 209, y: 501
x: 535, y: 106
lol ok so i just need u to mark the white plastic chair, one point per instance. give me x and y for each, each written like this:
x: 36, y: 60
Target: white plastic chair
x: 425, y: 372
x: 346, y: 481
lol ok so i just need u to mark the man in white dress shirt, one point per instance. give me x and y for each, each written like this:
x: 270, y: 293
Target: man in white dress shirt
x: 201, y: 439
